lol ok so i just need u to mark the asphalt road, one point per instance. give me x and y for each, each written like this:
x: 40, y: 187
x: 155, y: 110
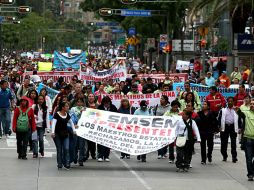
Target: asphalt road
x: 42, y: 173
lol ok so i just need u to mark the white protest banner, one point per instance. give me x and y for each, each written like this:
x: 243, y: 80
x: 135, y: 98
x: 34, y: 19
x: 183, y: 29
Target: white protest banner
x: 67, y: 75
x: 135, y: 99
x: 182, y: 65
x: 118, y: 73
x: 131, y: 134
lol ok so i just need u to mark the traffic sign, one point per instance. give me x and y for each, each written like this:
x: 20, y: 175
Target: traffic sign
x: 136, y: 13
x: 132, y: 31
x: 164, y: 38
x: 118, y: 31
x: 133, y: 41
x: 203, y: 31
x: 150, y: 43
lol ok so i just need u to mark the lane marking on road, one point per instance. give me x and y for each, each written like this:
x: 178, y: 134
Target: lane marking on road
x: 142, y: 181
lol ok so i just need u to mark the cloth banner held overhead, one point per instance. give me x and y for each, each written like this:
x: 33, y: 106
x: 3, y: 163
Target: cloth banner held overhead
x: 151, y: 99
x: 63, y: 62
x: 118, y: 73
x: 131, y: 134
x: 203, y: 91
x: 51, y: 92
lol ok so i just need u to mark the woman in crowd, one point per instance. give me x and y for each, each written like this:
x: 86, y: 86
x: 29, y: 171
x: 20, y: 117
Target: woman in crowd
x: 23, y: 122
x: 44, y: 93
x: 143, y: 110
x: 103, y: 152
x: 92, y: 103
x: 160, y: 110
x: 188, y: 128
x: 175, y: 105
x: 81, y: 143
x: 125, y: 108
x: 59, y: 99
x: 208, y: 126
x: 41, y: 113
x: 60, y: 134
x: 189, y: 98
x: 117, y: 89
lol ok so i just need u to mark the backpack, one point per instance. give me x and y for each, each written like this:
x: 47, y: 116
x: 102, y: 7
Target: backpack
x: 23, y: 121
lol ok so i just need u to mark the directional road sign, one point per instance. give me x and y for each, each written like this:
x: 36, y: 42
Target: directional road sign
x: 132, y: 31
x: 136, y: 13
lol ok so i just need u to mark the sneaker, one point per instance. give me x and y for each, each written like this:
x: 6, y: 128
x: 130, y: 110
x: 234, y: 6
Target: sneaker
x: 107, y: 160
x: 121, y: 157
x: 234, y: 160
x: 100, y: 160
x: 48, y: 131
x: 224, y: 159
x: 190, y: 166
x: 42, y: 154
x: 24, y: 158
x: 67, y: 167
x: 128, y: 157
x: 209, y: 160
x: 35, y: 156
x: 19, y: 157
x: 160, y: 157
x: 81, y: 164
x: 203, y: 163
x: 171, y: 161
x: 250, y: 178
x: 138, y: 157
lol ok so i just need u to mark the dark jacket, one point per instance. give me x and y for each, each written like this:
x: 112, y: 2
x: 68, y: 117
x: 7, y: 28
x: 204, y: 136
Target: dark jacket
x: 207, y: 124
x: 112, y: 108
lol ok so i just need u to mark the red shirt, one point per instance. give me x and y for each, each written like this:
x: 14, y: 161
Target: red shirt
x: 218, y: 98
x: 30, y: 116
x: 238, y: 99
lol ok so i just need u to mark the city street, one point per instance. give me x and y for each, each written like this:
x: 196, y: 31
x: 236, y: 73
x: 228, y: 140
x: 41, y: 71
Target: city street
x: 118, y: 174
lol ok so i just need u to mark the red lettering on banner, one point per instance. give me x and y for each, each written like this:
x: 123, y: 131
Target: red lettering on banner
x: 137, y: 129
x: 102, y: 122
x: 155, y: 131
x: 156, y: 95
x: 169, y: 132
x: 162, y: 132
x: 128, y: 128
x: 113, y: 125
x: 145, y: 131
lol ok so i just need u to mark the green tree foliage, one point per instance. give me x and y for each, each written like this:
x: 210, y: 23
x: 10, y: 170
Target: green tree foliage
x: 147, y: 27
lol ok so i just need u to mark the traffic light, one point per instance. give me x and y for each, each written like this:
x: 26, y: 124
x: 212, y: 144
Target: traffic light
x: 7, y: 2
x: 105, y: 12
x: 24, y: 9
x: 203, y: 43
x: 129, y: 2
x: 167, y: 48
x: 10, y: 18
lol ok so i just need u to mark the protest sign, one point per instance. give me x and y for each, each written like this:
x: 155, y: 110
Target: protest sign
x: 64, y: 62
x: 135, y: 99
x: 204, y: 91
x: 44, y: 66
x: 182, y: 65
x: 131, y: 134
x: 51, y: 92
x: 118, y: 73
x: 67, y: 75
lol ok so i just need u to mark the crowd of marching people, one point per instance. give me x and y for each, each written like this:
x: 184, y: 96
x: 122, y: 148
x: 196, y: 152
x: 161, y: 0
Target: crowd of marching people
x: 198, y: 124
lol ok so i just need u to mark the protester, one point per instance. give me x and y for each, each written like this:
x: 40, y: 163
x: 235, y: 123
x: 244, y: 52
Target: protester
x: 235, y: 74
x: 189, y: 97
x: 248, y: 135
x: 239, y: 97
x: 23, y: 89
x: 134, y: 90
x: 215, y: 99
x: 6, y: 106
x: 229, y: 124
x: 23, y: 122
x: 175, y: 105
x: 44, y: 93
x: 143, y: 110
x: 60, y: 134
x: 186, y: 127
x: 125, y: 108
x: 209, y: 80
x: 208, y: 126
x: 224, y: 80
x: 41, y: 113
x: 103, y: 152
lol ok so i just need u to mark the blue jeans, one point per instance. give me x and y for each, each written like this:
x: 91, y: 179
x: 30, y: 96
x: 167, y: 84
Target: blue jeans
x: 62, y: 149
x: 5, y: 120
x: 40, y: 134
x: 249, y: 155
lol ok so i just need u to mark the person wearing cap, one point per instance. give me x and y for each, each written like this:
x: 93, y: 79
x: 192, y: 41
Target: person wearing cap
x: 224, y: 80
x: 22, y: 137
x: 134, y: 90
x: 252, y: 92
x: 143, y: 110
x: 209, y: 80
x: 6, y: 104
